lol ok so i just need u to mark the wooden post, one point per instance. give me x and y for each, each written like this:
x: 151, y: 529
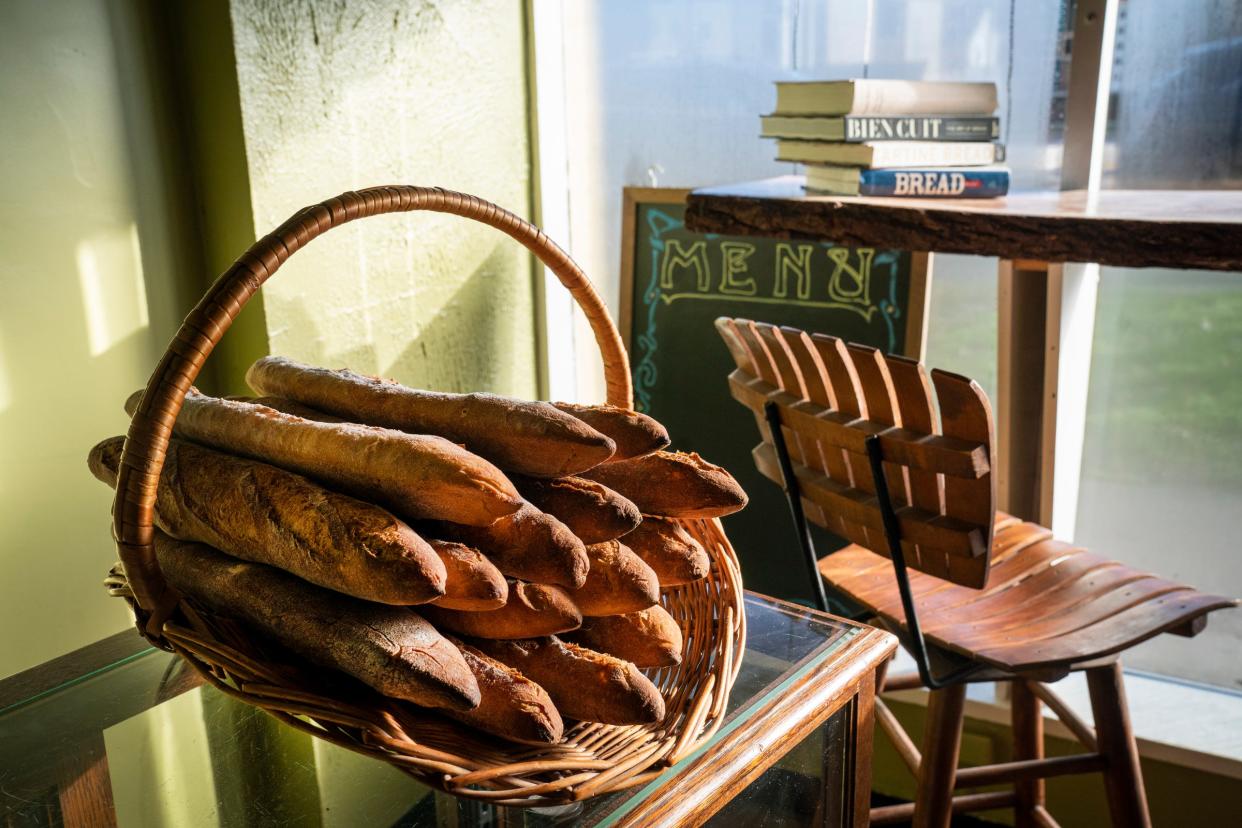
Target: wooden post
x: 1028, y: 743
x: 864, y: 737
x: 1021, y: 391
x: 1123, y: 778
x: 942, y: 738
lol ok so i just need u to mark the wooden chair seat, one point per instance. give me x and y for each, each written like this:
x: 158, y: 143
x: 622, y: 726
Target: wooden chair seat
x: 1047, y: 604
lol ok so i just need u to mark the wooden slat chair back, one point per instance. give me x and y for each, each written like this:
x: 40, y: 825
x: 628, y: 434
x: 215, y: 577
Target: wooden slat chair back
x: 1000, y: 597
x: 832, y: 397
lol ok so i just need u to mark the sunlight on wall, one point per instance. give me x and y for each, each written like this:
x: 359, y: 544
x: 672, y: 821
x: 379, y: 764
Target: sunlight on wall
x: 114, y: 289
x: 432, y: 300
x: 6, y: 388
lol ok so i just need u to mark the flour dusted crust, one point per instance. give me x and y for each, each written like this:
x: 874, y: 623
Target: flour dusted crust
x: 673, y: 484
x: 532, y: 610
x: 671, y: 551
x: 391, y: 649
x: 617, y: 582
x: 532, y: 438
x: 512, y: 706
x: 528, y: 544
x: 648, y: 638
x: 414, y: 475
x: 471, y: 582
x: 634, y: 434
x: 584, y: 684
x: 590, y: 510
x: 267, y: 515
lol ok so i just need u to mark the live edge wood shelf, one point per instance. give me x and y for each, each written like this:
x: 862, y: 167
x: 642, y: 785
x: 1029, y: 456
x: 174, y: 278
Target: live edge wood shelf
x: 1127, y: 228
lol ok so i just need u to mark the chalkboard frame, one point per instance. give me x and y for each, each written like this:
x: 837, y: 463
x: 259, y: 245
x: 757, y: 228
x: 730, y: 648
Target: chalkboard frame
x: 914, y: 345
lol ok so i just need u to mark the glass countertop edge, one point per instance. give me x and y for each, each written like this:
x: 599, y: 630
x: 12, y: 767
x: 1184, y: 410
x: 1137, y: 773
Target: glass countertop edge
x: 812, y: 661
x: 76, y: 680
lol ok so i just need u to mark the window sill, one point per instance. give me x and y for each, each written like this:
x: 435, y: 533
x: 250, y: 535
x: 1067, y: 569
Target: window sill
x: 1182, y: 723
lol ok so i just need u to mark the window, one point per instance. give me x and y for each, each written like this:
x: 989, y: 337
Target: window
x: 1162, y: 461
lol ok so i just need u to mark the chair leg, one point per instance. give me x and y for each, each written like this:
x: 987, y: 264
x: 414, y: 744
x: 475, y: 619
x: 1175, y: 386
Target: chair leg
x: 1028, y: 743
x: 942, y: 738
x: 1123, y: 779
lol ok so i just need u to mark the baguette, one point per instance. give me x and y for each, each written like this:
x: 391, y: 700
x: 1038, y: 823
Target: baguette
x: 583, y: 684
x: 533, y: 438
x: 648, y: 638
x: 270, y: 516
x: 417, y: 476
x: 617, y: 582
x: 591, y: 510
x: 531, y: 611
x: 673, y: 484
x: 670, y: 550
x: 634, y: 434
x: 297, y: 409
x: 528, y: 545
x: 512, y: 706
x: 391, y: 649
x: 472, y: 582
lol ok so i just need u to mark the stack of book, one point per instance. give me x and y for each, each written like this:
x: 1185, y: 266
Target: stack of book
x: 891, y: 137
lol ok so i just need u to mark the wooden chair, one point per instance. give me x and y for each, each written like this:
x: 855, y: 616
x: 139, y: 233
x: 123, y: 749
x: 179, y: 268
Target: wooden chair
x: 855, y: 438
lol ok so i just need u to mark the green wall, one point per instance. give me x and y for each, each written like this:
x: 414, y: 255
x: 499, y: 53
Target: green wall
x: 90, y: 242
x: 146, y: 145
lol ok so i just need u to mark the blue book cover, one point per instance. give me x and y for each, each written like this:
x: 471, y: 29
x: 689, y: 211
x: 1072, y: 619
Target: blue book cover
x: 915, y: 182
x: 935, y: 183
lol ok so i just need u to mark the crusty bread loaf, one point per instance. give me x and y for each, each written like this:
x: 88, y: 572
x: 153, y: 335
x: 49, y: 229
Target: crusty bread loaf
x: 673, y: 484
x: 472, y: 582
x: 531, y: 611
x: 670, y: 550
x: 512, y: 707
x: 591, y: 510
x: 392, y: 649
x: 634, y: 434
x: 617, y: 582
x: 529, y: 437
x: 648, y: 638
x: 297, y: 409
x: 528, y: 544
x: 271, y: 516
x: 417, y: 476
x: 583, y: 684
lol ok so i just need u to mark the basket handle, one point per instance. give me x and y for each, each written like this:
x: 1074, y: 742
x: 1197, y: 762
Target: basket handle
x: 151, y: 425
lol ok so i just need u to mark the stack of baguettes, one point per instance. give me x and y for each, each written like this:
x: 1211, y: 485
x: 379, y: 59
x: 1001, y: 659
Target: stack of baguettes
x: 498, y: 559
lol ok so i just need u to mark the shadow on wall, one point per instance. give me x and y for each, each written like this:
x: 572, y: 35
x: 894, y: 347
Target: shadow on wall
x: 473, y: 342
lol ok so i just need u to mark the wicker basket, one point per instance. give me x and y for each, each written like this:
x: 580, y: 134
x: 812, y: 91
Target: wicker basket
x: 592, y: 759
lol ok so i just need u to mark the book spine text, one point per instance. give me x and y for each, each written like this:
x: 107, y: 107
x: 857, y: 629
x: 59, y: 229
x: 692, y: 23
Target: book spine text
x: 934, y: 183
x: 921, y: 128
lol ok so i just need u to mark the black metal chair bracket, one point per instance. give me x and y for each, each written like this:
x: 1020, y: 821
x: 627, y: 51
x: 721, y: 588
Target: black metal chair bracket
x: 892, y: 534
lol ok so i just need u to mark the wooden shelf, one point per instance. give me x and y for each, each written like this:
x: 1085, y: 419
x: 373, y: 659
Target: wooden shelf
x: 1190, y: 229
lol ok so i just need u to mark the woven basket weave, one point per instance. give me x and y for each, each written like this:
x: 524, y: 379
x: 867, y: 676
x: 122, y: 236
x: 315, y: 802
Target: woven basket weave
x: 593, y: 758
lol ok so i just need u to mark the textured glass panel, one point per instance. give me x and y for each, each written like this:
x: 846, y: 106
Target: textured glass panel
x: 1175, y: 118
x: 1162, y: 462
x: 961, y: 332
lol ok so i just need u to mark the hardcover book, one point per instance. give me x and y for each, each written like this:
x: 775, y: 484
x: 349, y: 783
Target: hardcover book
x: 890, y: 153
x: 855, y: 128
x: 977, y: 182
x: 884, y: 97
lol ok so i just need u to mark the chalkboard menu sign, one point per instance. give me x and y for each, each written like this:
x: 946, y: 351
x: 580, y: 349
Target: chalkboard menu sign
x: 675, y: 283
